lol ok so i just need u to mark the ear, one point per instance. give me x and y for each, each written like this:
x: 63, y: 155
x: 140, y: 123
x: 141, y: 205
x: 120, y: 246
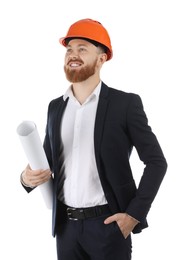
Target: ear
x: 102, y: 58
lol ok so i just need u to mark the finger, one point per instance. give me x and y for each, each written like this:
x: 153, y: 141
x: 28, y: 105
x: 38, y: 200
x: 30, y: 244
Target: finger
x: 37, y: 177
x: 42, y: 177
x: 39, y: 173
x: 38, y: 182
x: 44, y: 173
x: 48, y: 172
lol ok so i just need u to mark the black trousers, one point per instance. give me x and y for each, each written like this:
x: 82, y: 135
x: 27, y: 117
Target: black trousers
x: 91, y: 239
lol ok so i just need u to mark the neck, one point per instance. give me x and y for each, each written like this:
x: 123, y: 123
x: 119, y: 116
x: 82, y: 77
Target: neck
x: 82, y: 90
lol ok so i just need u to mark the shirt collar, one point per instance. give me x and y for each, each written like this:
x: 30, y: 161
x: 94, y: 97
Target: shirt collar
x: 69, y: 93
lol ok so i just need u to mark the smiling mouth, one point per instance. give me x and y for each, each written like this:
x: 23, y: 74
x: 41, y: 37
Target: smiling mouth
x: 74, y: 64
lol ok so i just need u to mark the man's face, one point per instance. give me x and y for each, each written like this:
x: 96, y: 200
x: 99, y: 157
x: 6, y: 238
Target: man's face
x: 80, y: 60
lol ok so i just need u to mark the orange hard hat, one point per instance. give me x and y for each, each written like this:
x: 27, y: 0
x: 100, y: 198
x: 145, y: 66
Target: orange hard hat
x: 91, y: 30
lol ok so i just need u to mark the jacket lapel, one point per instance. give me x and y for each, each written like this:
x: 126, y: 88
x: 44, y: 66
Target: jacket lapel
x: 100, y: 119
x: 56, y: 126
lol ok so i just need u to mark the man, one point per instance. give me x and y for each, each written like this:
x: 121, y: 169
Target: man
x: 90, y: 133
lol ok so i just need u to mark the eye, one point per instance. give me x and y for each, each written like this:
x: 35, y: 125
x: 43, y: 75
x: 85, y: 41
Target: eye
x: 68, y: 50
x: 82, y: 49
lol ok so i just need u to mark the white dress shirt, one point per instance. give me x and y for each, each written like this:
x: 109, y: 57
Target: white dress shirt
x: 82, y: 187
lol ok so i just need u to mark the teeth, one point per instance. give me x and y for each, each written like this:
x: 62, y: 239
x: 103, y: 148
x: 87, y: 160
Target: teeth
x: 75, y: 65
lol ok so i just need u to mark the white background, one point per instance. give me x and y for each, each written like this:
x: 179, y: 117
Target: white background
x: 149, y: 40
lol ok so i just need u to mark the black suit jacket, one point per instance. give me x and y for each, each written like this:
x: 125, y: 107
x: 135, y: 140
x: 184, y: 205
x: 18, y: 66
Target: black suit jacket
x: 120, y: 125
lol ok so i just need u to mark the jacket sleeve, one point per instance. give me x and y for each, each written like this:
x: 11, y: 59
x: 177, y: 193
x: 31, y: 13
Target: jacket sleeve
x: 150, y: 153
x: 47, y: 149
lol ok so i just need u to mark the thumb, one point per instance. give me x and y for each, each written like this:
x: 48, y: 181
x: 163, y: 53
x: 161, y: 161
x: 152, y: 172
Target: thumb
x: 110, y: 219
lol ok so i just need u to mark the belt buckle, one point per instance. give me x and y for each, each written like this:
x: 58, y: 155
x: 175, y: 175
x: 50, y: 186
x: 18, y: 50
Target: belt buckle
x: 69, y: 212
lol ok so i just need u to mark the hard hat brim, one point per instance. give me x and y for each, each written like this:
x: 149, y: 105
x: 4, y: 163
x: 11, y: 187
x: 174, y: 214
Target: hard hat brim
x: 62, y: 41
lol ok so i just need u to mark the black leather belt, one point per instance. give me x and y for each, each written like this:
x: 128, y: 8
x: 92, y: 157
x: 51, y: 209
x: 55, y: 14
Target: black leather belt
x: 84, y: 213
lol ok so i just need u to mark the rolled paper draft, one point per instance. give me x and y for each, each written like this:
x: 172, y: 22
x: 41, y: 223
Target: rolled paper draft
x: 33, y: 148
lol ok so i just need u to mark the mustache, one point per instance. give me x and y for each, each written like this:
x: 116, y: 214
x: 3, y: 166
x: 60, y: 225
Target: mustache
x: 75, y: 60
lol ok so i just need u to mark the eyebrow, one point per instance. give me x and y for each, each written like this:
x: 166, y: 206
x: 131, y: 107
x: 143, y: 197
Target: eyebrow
x: 79, y: 45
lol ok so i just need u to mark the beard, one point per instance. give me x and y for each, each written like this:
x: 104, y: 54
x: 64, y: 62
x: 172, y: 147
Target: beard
x: 75, y: 75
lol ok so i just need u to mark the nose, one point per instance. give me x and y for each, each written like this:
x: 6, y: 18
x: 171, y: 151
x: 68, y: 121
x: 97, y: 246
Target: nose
x: 73, y: 54
x: 73, y: 57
